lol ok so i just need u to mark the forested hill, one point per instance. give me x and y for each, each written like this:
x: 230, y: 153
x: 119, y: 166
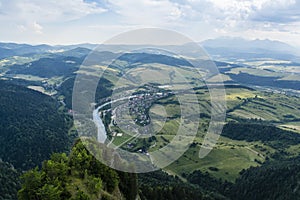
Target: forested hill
x: 78, y: 176
x: 9, y: 181
x: 31, y: 127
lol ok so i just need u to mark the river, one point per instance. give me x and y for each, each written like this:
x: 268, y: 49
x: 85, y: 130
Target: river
x: 102, y: 134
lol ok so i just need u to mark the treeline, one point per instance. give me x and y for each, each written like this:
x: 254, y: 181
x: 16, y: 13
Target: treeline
x: 272, y: 180
x: 256, y: 131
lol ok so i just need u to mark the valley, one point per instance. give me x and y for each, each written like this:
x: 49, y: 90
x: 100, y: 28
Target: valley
x: 137, y: 107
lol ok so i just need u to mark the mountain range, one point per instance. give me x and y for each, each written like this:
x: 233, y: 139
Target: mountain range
x: 223, y: 47
x: 231, y: 47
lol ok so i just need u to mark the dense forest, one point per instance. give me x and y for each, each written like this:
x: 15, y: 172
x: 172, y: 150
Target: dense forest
x: 160, y: 185
x: 259, y: 131
x: 66, y: 88
x: 250, y: 79
x: 48, y: 67
x: 273, y: 180
x: 31, y: 126
x: 9, y: 181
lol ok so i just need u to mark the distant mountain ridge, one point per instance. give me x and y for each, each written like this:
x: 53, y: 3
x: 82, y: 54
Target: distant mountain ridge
x: 235, y: 47
x: 14, y: 49
x: 236, y: 42
x: 224, y: 47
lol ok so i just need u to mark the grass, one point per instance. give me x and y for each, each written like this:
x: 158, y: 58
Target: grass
x: 294, y: 150
x: 270, y: 107
x: 292, y: 77
x: 41, y: 89
x: 234, y: 94
x: 161, y: 74
x: 109, y: 73
x: 291, y: 126
x: 229, y: 157
x: 217, y: 78
x: 270, y: 68
x: 16, y: 60
x: 158, y: 110
x: 28, y: 77
x: 118, y: 140
x: 255, y: 71
x: 170, y: 127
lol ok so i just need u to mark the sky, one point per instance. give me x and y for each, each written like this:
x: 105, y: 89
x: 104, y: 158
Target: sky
x: 95, y: 21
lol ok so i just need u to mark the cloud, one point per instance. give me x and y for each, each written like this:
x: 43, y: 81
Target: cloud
x: 199, y: 19
x: 31, y: 28
x: 236, y: 16
x: 28, y: 15
x: 47, y: 11
x: 287, y: 11
x: 37, y: 28
x: 231, y: 13
x: 258, y: 11
x: 147, y: 12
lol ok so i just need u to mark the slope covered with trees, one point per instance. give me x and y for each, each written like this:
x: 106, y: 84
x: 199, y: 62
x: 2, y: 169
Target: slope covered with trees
x: 66, y: 89
x: 31, y: 127
x: 77, y: 176
x: 273, y: 180
x: 9, y: 181
x: 48, y: 67
x: 160, y: 185
x: 258, y: 131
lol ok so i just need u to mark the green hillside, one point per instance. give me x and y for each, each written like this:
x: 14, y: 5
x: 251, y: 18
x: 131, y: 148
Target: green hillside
x: 31, y: 127
x: 9, y: 181
x: 77, y: 176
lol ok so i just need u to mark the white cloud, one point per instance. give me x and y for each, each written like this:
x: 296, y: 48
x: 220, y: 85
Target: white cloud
x: 199, y: 19
x: 280, y: 11
x: 231, y: 12
x: 37, y: 28
x: 147, y: 12
x: 47, y: 11
x: 231, y: 17
x: 28, y: 15
x: 22, y: 28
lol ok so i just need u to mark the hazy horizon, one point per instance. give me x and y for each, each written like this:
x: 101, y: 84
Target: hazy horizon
x: 94, y: 21
x: 92, y: 43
